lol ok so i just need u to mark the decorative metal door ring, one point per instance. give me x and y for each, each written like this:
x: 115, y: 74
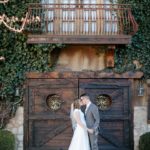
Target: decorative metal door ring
x: 103, y: 101
x: 53, y: 102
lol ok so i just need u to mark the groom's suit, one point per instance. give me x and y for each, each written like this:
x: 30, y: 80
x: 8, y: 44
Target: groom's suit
x: 92, y: 121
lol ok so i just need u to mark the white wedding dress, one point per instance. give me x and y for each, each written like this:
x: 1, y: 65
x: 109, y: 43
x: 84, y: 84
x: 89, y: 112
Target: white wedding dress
x: 80, y: 140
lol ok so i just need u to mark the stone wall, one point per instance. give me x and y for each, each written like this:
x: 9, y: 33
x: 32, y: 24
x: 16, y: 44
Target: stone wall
x: 15, y: 125
x: 140, y: 124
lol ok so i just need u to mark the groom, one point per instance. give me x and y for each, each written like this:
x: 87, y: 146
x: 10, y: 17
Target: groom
x: 92, y: 120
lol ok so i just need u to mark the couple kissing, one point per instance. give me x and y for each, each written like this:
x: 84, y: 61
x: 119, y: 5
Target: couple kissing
x: 85, y: 125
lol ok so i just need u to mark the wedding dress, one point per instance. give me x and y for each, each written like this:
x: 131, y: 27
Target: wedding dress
x: 80, y: 140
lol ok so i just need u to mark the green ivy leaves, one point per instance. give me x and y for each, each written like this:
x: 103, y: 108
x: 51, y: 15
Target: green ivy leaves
x: 139, y: 49
x: 19, y: 56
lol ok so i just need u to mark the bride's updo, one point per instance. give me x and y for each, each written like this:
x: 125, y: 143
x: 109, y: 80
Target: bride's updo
x: 76, y: 104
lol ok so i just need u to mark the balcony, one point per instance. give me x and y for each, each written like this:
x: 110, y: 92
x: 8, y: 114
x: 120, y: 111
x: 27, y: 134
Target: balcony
x: 80, y: 24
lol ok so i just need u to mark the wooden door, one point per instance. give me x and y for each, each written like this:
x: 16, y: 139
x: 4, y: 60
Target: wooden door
x: 113, y: 99
x: 47, y: 107
x: 47, y: 122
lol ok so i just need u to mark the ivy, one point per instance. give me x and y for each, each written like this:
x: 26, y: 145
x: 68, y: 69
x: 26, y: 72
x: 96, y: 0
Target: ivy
x: 20, y: 57
x: 139, y: 49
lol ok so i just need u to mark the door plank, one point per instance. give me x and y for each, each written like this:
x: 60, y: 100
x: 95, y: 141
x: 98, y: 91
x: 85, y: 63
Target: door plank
x: 50, y: 135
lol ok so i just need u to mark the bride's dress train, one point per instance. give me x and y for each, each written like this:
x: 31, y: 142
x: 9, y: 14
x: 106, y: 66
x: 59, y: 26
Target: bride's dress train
x: 80, y: 140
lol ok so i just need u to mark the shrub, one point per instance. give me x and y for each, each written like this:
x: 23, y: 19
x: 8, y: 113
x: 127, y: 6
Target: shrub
x: 144, y: 143
x: 7, y: 140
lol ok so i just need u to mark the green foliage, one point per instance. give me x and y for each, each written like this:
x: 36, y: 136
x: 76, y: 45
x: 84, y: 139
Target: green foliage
x: 20, y: 57
x: 139, y: 49
x: 7, y: 140
x: 144, y: 142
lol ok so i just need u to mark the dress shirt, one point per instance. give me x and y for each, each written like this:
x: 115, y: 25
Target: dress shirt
x: 88, y: 105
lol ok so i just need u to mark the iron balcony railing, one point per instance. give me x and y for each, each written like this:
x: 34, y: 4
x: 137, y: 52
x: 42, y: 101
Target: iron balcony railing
x: 85, y: 19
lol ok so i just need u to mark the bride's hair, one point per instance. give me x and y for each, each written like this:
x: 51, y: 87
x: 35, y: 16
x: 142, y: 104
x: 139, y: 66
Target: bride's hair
x: 76, y: 104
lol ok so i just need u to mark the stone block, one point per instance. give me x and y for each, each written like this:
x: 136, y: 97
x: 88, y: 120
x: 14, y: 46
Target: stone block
x: 20, y: 137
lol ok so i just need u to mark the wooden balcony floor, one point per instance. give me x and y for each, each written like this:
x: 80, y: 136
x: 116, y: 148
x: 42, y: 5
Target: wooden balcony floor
x: 79, y: 39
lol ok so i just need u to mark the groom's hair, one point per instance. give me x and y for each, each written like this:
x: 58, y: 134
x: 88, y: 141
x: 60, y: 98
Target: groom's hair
x: 85, y: 95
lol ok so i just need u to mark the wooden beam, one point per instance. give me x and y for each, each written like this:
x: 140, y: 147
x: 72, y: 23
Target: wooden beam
x: 88, y: 74
x: 78, y: 39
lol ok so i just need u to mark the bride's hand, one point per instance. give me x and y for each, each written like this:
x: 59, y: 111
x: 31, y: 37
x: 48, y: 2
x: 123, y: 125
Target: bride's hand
x: 90, y: 130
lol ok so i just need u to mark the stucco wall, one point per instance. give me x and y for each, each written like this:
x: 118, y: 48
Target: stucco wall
x: 78, y: 58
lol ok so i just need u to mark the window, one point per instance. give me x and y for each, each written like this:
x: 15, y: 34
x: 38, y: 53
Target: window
x: 79, y: 16
x: 68, y: 16
x: 110, y: 14
x: 48, y: 15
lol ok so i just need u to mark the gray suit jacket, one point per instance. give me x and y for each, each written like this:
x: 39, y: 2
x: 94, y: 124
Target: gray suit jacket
x: 92, y: 117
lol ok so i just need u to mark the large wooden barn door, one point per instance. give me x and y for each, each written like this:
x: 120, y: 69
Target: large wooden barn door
x: 47, y: 107
x: 113, y: 99
x: 47, y: 122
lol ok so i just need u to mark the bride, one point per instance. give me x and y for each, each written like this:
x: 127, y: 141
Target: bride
x: 80, y: 140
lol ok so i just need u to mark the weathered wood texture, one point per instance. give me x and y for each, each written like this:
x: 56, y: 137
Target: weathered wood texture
x: 43, y: 126
x: 116, y: 121
x: 110, y: 60
x: 87, y: 74
x: 74, y: 39
x: 47, y: 129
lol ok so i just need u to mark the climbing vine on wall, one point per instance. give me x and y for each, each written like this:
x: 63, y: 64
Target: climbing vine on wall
x: 20, y: 57
x: 138, y: 52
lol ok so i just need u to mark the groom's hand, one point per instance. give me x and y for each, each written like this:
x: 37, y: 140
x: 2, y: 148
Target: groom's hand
x: 91, y: 131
